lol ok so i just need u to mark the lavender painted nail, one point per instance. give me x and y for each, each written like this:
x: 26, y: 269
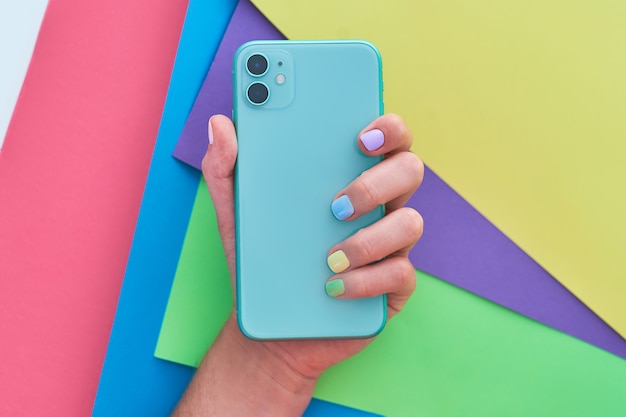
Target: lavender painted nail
x: 373, y: 139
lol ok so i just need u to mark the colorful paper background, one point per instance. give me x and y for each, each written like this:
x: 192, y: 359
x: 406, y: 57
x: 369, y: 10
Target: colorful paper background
x: 70, y: 188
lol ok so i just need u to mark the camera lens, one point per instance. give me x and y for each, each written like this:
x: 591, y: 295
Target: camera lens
x: 258, y: 93
x: 257, y: 65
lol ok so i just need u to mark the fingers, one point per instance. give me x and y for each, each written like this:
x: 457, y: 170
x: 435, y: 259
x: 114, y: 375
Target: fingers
x: 394, y: 276
x: 392, y: 181
x: 395, y: 233
x: 374, y: 260
x: 218, y: 169
x: 386, y: 135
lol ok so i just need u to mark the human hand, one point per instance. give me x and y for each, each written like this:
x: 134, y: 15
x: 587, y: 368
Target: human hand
x: 371, y: 262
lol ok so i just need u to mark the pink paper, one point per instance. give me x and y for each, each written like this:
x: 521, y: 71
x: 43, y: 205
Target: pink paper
x: 72, y: 172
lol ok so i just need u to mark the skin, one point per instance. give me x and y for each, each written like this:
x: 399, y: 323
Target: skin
x: 241, y: 377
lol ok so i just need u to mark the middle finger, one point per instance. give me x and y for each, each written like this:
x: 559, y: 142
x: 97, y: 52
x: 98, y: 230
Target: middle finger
x: 394, y: 233
x: 395, y: 177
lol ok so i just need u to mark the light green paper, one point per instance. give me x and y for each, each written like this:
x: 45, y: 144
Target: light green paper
x: 201, y: 296
x: 448, y: 353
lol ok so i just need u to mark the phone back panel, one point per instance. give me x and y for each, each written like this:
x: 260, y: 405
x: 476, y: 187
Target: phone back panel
x: 296, y: 152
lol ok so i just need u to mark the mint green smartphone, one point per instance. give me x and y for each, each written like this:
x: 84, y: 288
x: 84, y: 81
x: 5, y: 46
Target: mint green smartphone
x: 298, y: 108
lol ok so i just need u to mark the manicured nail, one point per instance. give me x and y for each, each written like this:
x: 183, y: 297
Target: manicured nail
x: 335, y: 288
x: 338, y: 261
x: 373, y: 139
x: 210, y: 133
x: 342, y: 208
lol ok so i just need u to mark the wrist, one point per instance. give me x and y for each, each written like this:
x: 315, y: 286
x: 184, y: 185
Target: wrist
x: 241, y: 377
x: 264, y: 363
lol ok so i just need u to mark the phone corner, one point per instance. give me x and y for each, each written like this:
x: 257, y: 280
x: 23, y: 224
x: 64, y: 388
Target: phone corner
x: 244, y: 330
x: 383, y: 321
x: 370, y: 45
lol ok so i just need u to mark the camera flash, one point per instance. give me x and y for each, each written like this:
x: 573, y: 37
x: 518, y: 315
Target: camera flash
x: 280, y: 79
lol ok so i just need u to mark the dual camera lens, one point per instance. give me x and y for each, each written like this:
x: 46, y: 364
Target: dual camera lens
x: 257, y: 92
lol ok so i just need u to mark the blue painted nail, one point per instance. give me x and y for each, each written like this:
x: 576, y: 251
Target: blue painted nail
x: 342, y: 208
x: 373, y: 139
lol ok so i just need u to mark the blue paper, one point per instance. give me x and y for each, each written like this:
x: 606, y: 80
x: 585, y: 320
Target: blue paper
x: 319, y: 408
x: 133, y: 381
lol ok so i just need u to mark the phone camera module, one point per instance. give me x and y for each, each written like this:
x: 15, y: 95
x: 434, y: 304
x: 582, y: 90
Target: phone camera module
x: 257, y: 65
x: 258, y: 93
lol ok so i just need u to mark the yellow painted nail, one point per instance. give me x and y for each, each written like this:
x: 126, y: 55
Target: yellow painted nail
x: 338, y: 261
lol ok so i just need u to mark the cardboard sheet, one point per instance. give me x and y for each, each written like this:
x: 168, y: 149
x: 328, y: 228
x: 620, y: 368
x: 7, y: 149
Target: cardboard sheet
x: 19, y: 25
x: 519, y: 106
x: 459, y: 244
x: 448, y: 353
x: 72, y: 170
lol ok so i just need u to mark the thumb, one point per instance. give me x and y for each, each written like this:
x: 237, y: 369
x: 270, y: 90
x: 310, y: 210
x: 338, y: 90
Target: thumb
x: 218, y: 169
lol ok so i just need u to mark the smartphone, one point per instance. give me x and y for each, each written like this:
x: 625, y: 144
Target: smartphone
x: 298, y: 108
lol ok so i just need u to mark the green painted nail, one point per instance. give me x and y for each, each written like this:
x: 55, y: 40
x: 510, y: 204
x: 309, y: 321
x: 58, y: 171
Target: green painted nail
x: 335, y: 288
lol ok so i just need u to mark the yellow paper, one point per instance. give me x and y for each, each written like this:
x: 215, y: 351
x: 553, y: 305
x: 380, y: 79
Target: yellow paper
x: 520, y: 106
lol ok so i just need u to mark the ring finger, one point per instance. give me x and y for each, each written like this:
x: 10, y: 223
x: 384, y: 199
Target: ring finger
x: 396, y: 232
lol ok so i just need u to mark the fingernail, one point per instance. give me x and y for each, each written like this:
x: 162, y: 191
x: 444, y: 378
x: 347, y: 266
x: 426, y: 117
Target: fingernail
x: 338, y: 261
x: 335, y: 288
x: 342, y: 208
x: 210, y: 133
x: 373, y: 139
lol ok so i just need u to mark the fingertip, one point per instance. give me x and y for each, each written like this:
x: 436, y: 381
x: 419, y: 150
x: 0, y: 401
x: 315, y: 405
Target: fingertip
x: 222, y: 150
x: 219, y: 125
x: 386, y: 134
x: 372, y: 140
x: 338, y: 261
x: 335, y: 288
x: 221, y: 131
x: 342, y: 207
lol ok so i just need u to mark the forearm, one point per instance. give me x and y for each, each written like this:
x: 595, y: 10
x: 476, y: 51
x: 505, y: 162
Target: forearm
x: 240, y: 378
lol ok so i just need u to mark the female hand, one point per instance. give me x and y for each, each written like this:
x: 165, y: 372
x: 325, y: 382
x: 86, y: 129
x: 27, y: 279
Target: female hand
x: 278, y: 378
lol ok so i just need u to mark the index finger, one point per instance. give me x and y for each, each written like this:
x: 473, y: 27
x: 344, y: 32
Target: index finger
x: 386, y: 135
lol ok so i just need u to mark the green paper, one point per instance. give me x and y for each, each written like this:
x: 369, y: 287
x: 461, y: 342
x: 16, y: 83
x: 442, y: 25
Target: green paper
x: 448, y: 353
x: 201, y: 298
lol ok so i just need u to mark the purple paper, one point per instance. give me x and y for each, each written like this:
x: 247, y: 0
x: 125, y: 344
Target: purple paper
x: 462, y: 247
x: 459, y: 245
x: 216, y: 94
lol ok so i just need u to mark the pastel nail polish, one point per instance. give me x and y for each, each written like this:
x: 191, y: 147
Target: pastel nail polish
x: 373, y: 139
x: 335, y: 288
x: 338, y: 261
x: 210, y: 129
x: 342, y: 208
